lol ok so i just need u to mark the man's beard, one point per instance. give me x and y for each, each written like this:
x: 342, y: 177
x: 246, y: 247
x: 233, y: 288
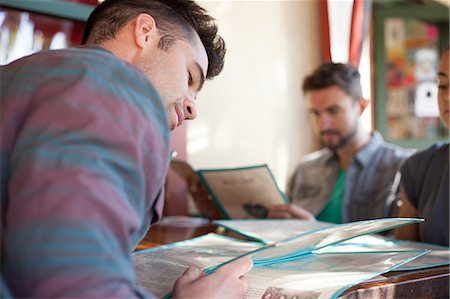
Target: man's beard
x: 343, y: 141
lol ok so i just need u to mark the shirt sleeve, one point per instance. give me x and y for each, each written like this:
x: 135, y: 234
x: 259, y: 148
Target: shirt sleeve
x: 412, y: 175
x: 84, y: 169
x: 290, y: 188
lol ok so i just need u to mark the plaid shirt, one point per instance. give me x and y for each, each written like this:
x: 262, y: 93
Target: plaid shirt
x: 84, y: 156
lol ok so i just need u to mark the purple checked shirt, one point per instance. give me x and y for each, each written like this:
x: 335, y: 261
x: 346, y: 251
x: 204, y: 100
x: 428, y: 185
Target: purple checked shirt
x: 84, y: 157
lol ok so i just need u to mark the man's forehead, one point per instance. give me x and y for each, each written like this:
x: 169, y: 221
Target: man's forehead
x: 329, y: 99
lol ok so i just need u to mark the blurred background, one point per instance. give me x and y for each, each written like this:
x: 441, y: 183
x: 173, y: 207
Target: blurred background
x: 254, y: 112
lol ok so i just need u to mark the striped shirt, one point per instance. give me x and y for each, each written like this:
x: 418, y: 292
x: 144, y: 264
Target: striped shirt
x: 84, y: 156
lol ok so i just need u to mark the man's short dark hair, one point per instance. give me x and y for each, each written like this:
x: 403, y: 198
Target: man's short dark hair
x: 346, y: 76
x: 174, y: 18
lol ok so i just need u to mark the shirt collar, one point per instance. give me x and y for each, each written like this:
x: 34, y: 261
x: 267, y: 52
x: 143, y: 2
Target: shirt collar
x: 95, y: 47
x: 331, y: 157
x: 365, y: 155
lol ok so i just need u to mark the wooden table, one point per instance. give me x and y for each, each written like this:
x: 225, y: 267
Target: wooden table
x: 426, y: 283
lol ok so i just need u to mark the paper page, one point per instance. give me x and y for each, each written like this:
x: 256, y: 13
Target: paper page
x: 438, y: 255
x: 158, y: 268
x: 314, y: 276
x: 270, y: 231
x: 329, y: 275
x: 243, y: 193
x: 317, y: 239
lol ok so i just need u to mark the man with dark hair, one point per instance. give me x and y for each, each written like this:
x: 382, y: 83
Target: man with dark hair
x: 175, y: 19
x: 353, y: 177
x: 85, y: 151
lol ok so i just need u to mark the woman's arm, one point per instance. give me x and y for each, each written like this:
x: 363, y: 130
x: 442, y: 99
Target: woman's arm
x: 408, y: 232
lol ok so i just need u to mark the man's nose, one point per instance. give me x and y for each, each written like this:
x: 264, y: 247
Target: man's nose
x: 190, y: 109
x: 324, y: 122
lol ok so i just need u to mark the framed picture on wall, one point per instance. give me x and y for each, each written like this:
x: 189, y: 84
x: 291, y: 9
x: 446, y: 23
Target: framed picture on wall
x: 408, y: 40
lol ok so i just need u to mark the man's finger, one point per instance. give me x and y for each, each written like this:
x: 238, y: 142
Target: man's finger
x: 244, y: 282
x: 280, y: 208
x: 190, y: 275
x: 238, y: 267
x: 279, y: 215
x: 301, y: 213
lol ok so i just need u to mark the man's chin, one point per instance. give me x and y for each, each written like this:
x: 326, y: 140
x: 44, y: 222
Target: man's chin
x: 332, y: 145
x: 332, y: 148
x: 330, y: 142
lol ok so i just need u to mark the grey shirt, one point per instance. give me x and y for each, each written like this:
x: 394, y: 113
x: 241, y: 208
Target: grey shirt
x: 368, y: 186
x: 425, y: 179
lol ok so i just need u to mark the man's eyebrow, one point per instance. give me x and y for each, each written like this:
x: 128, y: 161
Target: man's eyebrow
x: 442, y: 74
x: 202, y: 76
x: 332, y: 107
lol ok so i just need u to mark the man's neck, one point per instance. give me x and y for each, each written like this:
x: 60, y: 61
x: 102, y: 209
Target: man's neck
x: 349, y: 151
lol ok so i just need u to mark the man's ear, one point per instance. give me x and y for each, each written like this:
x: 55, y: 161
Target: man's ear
x: 144, y: 30
x: 363, y: 103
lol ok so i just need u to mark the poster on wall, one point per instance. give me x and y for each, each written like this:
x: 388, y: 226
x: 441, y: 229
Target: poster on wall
x: 411, y: 49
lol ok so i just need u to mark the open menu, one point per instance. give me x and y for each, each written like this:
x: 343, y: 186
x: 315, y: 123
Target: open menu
x: 299, y: 266
x: 238, y: 193
x: 271, y: 231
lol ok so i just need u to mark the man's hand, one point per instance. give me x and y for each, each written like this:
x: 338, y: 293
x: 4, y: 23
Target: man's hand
x: 226, y: 282
x: 290, y: 211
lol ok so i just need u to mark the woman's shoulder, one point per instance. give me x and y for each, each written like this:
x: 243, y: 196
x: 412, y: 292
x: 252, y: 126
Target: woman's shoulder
x: 437, y: 151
